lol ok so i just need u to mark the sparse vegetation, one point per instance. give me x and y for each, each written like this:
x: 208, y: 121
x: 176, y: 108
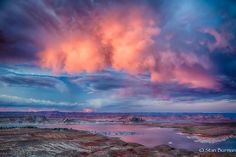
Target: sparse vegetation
x: 54, y: 142
x: 137, y: 119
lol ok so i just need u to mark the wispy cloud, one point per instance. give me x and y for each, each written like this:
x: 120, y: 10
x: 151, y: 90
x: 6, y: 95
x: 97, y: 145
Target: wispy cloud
x: 113, y: 55
x: 15, y: 100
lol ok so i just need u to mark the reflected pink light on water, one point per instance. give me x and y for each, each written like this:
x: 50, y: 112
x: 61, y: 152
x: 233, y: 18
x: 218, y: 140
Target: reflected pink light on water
x: 144, y: 135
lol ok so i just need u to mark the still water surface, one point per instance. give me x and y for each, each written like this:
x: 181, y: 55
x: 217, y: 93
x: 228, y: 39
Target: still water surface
x: 148, y: 136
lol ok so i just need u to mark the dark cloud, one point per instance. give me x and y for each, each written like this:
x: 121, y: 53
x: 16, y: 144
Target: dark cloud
x: 27, y: 81
x: 127, y: 86
x: 112, y: 91
x: 13, y: 77
x: 114, y: 80
x: 197, y: 40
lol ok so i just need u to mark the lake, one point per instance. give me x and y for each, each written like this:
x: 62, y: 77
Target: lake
x: 148, y: 136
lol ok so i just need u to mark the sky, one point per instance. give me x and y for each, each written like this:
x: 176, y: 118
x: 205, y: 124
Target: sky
x: 118, y: 55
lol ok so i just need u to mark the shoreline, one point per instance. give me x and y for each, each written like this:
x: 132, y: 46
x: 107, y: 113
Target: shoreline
x: 203, y: 139
x: 69, y: 142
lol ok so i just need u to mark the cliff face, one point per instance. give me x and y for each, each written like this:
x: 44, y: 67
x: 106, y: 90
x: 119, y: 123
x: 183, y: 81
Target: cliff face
x: 71, y: 143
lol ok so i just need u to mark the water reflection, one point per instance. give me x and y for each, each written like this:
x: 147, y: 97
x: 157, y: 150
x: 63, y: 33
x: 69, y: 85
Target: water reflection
x: 148, y: 136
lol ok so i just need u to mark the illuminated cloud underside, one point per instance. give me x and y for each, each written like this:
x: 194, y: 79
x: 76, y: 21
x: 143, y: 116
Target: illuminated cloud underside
x: 122, y: 38
x: 111, y: 55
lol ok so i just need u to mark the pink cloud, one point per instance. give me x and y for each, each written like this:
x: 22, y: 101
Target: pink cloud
x: 122, y: 38
x: 88, y: 110
x: 220, y: 40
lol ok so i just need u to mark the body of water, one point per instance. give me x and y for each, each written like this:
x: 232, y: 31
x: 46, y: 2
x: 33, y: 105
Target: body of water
x: 148, y: 136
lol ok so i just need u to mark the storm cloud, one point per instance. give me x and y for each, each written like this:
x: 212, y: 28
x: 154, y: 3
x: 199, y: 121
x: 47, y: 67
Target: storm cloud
x: 177, y: 49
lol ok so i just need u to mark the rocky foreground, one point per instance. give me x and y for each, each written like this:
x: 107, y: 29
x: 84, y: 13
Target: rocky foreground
x: 71, y: 143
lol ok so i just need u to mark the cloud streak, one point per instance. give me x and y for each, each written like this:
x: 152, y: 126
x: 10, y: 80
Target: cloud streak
x: 15, y: 100
x: 169, y: 51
